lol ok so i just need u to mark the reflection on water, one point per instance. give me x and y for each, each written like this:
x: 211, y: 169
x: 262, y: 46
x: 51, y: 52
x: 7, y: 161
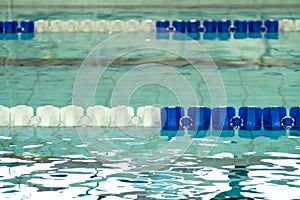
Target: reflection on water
x: 236, y: 177
x: 39, y: 162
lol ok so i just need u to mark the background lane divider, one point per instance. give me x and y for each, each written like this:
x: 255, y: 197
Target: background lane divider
x: 240, y: 29
x: 190, y: 26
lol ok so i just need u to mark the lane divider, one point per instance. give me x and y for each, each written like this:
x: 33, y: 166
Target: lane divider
x: 189, y: 26
x: 172, y: 118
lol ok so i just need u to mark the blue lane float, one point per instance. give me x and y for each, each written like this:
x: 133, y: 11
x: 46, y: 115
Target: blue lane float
x: 241, y: 26
x: 193, y: 26
x: 210, y: 26
x: 255, y: 26
x: 1, y: 27
x: 179, y: 25
x: 271, y: 25
x: 200, y: 117
x: 295, y: 115
x: 27, y: 26
x: 251, y: 117
x: 221, y: 117
x: 272, y: 117
x: 223, y: 26
x: 10, y: 26
x: 162, y: 28
x: 162, y: 25
x: 170, y: 117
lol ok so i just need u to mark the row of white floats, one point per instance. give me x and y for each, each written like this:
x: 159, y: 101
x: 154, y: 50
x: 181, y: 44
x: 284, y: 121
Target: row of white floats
x: 120, y: 25
x: 71, y: 116
x: 91, y: 26
x: 289, y: 25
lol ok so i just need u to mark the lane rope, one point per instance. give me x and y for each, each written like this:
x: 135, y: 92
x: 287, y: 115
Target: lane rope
x: 172, y: 118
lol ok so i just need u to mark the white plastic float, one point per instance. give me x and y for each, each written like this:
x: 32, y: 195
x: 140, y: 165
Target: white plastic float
x: 4, y: 116
x: 21, y: 115
x: 121, y: 116
x: 149, y: 115
x: 70, y: 116
x: 99, y: 115
x: 49, y: 116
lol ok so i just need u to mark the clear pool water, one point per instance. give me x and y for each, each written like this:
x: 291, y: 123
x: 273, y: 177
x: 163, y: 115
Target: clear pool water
x: 54, y: 162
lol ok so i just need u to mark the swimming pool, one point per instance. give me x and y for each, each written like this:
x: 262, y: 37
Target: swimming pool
x: 59, y: 162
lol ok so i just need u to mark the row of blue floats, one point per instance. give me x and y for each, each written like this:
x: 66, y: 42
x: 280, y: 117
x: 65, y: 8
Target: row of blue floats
x: 221, y: 26
x: 249, y: 120
x: 13, y: 26
x: 13, y: 30
x: 221, y: 29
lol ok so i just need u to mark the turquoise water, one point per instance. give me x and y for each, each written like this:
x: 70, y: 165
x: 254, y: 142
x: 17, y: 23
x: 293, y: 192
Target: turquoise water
x: 62, y: 164
x: 39, y: 162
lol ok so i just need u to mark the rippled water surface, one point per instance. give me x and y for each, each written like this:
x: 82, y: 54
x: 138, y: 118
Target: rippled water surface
x: 38, y: 162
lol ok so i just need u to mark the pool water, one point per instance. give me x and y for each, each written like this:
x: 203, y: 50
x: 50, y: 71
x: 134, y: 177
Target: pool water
x: 38, y: 162
x: 60, y: 163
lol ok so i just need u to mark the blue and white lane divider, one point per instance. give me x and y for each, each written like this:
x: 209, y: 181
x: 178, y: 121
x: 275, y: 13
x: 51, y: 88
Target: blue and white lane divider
x: 172, y: 118
x: 239, y: 28
x: 13, y: 30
